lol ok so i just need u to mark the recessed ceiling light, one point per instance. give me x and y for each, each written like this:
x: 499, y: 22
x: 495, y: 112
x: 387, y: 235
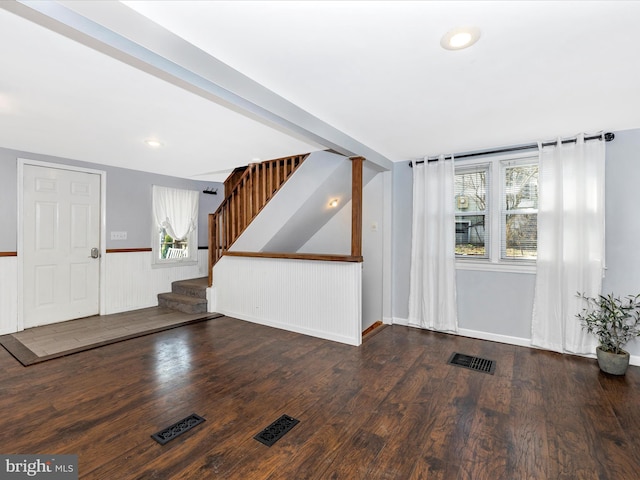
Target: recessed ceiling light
x: 460, y: 38
x: 333, y: 203
x: 152, y: 142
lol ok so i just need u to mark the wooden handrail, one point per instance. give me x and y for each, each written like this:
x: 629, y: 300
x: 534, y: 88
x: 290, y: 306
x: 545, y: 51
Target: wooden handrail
x: 321, y: 257
x: 250, y: 193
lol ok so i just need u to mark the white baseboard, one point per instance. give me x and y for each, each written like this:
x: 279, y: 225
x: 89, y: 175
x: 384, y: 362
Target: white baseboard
x: 495, y: 337
x: 400, y: 321
x: 293, y: 328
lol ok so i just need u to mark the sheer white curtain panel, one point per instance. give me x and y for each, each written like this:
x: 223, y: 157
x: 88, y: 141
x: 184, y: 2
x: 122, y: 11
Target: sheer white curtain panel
x: 432, y: 290
x: 570, y: 242
x: 175, y: 210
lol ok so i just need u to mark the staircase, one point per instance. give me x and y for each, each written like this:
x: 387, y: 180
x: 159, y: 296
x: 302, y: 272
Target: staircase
x: 188, y: 296
x: 247, y: 191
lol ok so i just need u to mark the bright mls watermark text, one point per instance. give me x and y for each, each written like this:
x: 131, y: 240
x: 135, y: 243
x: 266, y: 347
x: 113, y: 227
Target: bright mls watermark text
x: 50, y: 467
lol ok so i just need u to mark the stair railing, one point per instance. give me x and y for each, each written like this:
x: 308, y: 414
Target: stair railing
x: 248, y: 196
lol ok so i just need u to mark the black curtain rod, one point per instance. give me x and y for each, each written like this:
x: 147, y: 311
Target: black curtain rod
x: 607, y: 137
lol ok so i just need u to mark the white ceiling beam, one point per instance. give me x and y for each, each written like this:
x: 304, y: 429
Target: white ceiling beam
x: 120, y: 32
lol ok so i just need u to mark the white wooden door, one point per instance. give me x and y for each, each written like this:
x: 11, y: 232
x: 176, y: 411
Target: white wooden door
x: 61, y: 226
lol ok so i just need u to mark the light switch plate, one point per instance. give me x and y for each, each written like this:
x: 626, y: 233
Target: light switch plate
x: 118, y: 235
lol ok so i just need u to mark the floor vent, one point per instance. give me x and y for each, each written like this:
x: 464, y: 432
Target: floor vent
x: 473, y: 363
x: 167, y: 434
x: 276, y: 430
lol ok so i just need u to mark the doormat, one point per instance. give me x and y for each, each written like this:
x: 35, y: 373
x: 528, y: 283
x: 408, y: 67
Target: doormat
x: 473, y: 363
x: 167, y: 434
x: 276, y: 430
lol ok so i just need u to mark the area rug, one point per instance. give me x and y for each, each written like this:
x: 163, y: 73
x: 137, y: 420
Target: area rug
x: 44, y: 343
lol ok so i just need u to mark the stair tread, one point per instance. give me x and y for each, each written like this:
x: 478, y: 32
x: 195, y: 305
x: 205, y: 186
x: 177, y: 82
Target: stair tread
x: 193, y: 282
x: 193, y: 287
x: 177, y: 297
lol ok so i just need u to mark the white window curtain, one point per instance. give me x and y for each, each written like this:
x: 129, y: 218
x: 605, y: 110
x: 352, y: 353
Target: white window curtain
x: 570, y: 242
x: 175, y: 210
x: 432, y: 290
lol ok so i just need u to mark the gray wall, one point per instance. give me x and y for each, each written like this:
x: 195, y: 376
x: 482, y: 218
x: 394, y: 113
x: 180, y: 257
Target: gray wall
x: 501, y: 303
x: 622, y: 224
x: 335, y: 238
x: 128, y: 200
x: 401, y: 238
x: 495, y: 302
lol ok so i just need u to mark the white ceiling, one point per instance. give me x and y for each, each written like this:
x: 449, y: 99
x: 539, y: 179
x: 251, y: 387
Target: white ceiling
x: 373, y: 70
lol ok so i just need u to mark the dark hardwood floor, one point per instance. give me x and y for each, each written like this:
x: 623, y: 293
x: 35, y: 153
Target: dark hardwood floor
x: 390, y: 409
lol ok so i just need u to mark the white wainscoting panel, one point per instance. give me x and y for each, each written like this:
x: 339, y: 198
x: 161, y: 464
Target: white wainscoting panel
x: 8, y: 295
x: 132, y: 283
x: 321, y: 299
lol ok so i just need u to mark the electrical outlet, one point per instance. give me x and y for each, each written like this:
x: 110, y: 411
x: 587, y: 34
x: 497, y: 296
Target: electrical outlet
x: 118, y: 235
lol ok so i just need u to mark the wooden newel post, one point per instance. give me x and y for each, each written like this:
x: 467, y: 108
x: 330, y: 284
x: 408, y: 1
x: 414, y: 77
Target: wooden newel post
x: 356, y: 206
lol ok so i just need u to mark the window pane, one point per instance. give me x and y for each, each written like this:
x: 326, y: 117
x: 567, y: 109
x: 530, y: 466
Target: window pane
x: 520, y: 207
x: 471, y: 195
x: 521, y: 236
x: 165, y: 242
x: 172, y: 249
x: 521, y: 187
x: 471, y: 236
x: 471, y: 191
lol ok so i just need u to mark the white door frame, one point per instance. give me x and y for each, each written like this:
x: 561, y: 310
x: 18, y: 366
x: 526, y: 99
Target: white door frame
x: 20, y: 245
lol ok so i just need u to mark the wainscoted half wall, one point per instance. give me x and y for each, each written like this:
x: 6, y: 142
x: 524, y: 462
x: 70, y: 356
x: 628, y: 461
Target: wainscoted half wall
x: 132, y: 282
x: 317, y: 298
x: 8, y: 294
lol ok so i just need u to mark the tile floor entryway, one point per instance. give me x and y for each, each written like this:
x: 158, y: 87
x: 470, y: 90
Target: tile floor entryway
x: 78, y: 334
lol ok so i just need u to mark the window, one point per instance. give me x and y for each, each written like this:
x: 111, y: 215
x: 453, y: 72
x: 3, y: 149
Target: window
x: 175, y: 226
x: 496, y: 207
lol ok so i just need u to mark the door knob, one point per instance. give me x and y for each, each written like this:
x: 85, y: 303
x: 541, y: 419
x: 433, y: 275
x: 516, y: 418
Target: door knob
x: 95, y: 253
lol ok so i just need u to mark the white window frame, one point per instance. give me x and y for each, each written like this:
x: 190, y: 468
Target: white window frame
x: 495, y: 211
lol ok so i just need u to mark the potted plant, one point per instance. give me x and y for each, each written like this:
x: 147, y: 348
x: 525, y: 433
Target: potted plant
x: 614, y: 321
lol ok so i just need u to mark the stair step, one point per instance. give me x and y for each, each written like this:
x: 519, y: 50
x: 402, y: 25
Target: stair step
x: 182, y: 303
x: 195, y: 287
